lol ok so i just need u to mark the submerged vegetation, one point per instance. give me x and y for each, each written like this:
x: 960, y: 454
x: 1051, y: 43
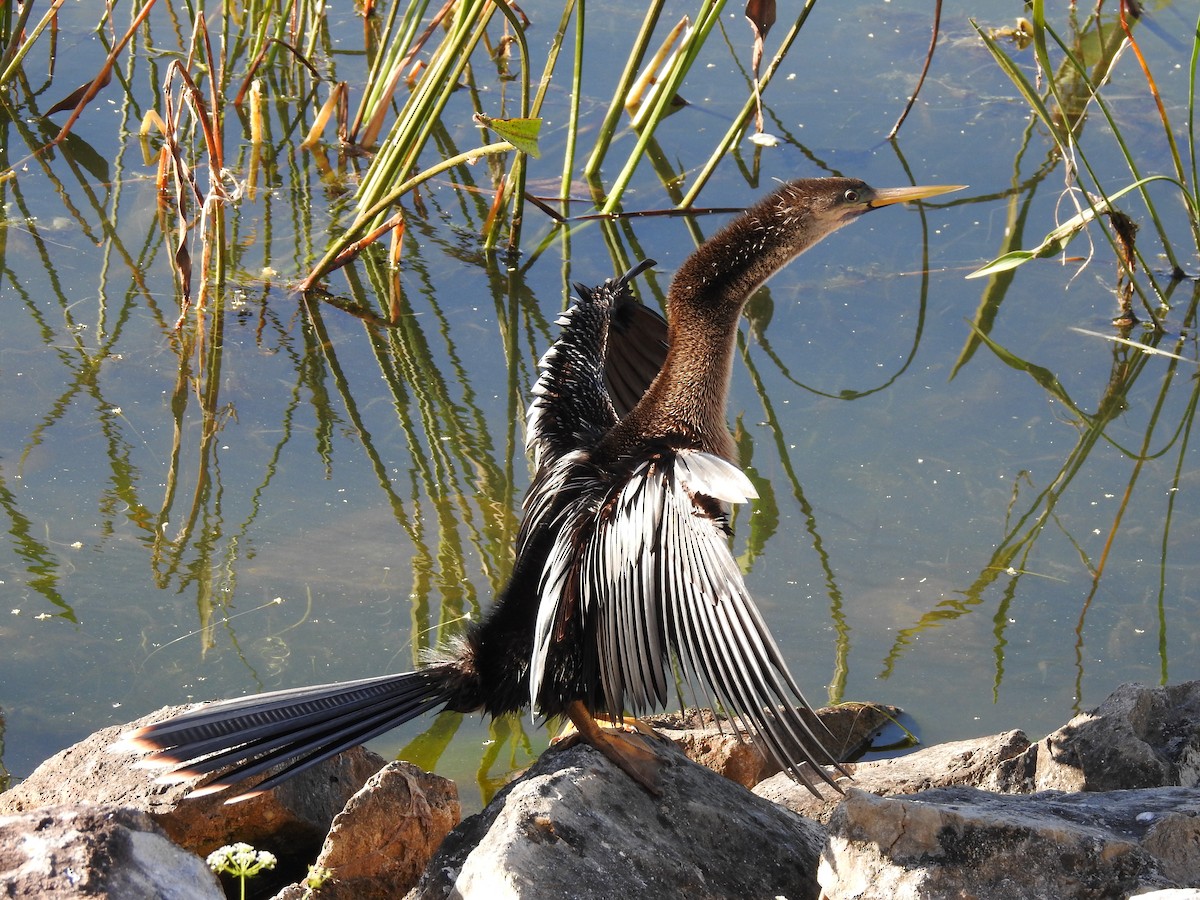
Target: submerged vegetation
x: 229, y: 67
x: 1074, y: 92
x: 1065, y: 88
x: 274, y: 196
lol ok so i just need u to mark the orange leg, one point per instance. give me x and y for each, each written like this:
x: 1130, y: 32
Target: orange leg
x: 630, y: 724
x: 630, y: 752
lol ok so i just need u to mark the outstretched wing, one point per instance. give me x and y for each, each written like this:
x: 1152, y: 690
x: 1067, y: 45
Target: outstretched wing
x: 656, y: 580
x: 637, y: 347
x: 609, y: 341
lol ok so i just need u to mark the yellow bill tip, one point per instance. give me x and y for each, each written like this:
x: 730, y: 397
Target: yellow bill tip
x: 888, y: 196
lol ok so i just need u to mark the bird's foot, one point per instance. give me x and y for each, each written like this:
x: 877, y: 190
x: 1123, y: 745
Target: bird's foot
x: 625, y: 744
x: 630, y: 725
x: 625, y: 724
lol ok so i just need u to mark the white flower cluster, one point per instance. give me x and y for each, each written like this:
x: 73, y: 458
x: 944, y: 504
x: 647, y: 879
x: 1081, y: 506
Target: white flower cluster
x: 240, y: 860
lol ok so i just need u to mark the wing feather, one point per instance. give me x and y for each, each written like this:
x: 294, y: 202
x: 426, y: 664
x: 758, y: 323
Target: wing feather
x: 636, y: 351
x: 607, y: 337
x: 661, y: 583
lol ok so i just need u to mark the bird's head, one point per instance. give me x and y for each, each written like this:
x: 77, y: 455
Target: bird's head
x: 808, y: 209
x: 726, y: 269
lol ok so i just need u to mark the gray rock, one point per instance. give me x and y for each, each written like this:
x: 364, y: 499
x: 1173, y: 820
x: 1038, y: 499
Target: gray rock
x: 724, y: 747
x: 577, y: 827
x: 957, y: 842
x: 380, y: 843
x: 1139, y: 737
x: 95, y: 851
x: 981, y: 762
x: 290, y: 821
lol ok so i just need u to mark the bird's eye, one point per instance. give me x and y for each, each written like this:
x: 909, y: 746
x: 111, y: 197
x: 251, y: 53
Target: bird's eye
x: 851, y: 195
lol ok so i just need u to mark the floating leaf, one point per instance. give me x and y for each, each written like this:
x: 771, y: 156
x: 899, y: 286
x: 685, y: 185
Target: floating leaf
x: 521, y: 133
x: 1056, y: 241
x: 1137, y: 345
x: 1004, y: 263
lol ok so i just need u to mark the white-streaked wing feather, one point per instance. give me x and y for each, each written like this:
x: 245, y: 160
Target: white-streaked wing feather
x: 659, y: 580
x: 703, y: 473
x: 571, y: 408
x: 608, y: 343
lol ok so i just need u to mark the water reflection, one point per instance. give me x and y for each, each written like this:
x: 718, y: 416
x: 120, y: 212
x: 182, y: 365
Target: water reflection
x: 1032, y: 506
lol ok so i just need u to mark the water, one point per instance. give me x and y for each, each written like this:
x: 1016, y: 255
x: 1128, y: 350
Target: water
x: 938, y: 529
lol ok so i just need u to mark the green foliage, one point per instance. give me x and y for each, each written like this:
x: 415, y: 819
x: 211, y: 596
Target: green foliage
x: 1055, y: 242
x: 421, y: 71
x: 1074, y: 84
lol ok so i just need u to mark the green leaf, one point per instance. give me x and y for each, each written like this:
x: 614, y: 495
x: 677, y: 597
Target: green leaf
x: 1004, y: 263
x: 521, y: 133
x: 1056, y: 240
x: 1013, y: 71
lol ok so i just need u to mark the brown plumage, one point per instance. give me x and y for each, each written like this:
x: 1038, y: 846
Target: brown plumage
x: 622, y: 564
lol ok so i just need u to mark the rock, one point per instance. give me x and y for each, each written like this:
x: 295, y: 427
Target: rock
x: 980, y: 762
x: 1139, y: 737
x: 853, y: 726
x: 290, y: 821
x: 87, y: 850
x: 713, y: 742
x: 957, y: 842
x: 380, y: 843
x: 1173, y: 839
x: 574, y: 826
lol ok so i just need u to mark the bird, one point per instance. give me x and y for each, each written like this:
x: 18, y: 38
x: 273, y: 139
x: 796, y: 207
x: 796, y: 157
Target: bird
x: 623, y: 584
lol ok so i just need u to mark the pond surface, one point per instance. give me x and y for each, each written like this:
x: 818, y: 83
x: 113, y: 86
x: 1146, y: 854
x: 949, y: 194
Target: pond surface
x: 280, y: 492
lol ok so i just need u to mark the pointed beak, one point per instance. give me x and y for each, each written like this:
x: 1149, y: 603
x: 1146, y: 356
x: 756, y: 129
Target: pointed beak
x: 888, y: 196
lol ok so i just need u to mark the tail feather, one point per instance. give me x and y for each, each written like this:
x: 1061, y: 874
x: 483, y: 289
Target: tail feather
x: 349, y: 729
x: 301, y: 727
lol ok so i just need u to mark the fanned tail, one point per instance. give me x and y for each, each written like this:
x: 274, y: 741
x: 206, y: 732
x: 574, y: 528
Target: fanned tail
x: 300, y: 727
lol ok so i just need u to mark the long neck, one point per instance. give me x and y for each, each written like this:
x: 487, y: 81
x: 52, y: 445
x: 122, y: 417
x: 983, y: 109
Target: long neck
x: 685, y: 405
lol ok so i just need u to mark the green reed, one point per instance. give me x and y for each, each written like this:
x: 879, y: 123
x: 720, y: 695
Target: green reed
x: 1075, y: 79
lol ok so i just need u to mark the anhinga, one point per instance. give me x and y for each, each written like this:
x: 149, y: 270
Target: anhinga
x: 623, y: 564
